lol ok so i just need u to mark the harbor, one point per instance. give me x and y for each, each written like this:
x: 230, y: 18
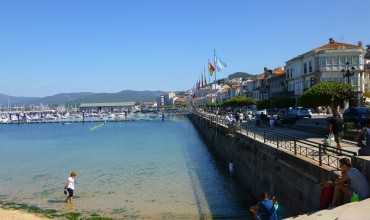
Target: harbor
x: 89, y: 112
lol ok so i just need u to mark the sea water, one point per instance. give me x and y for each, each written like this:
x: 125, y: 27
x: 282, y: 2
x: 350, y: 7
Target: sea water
x: 140, y: 169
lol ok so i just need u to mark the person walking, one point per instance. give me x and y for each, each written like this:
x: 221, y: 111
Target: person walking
x: 336, y: 128
x: 69, y: 187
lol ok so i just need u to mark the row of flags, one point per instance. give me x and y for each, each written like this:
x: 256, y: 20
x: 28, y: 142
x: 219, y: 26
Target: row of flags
x: 214, y: 66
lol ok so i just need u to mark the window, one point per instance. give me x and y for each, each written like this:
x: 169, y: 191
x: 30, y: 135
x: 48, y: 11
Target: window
x: 305, y: 68
x: 349, y: 60
x: 343, y: 60
x: 328, y: 61
x: 323, y: 61
x: 355, y: 60
x: 310, y: 67
x: 336, y: 61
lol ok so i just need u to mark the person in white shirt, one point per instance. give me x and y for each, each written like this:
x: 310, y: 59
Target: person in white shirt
x: 69, y: 187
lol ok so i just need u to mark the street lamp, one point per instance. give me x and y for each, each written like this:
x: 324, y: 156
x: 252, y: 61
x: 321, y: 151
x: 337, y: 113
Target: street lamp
x: 348, y: 72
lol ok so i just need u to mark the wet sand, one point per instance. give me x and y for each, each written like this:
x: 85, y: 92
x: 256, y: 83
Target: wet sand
x: 6, y: 214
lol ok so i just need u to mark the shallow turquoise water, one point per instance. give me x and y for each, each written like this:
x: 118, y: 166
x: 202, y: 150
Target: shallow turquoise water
x: 142, y: 169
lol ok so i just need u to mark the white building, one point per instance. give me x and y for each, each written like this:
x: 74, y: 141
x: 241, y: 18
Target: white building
x: 326, y: 63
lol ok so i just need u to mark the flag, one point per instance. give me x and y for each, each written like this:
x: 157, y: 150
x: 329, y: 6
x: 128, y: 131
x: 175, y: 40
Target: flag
x: 220, y: 65
x: 211, y: 68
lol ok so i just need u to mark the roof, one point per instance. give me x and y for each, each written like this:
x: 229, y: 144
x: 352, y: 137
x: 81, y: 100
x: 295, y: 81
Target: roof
x: 279, y: 71
x: 107, y: 104
x: 331, y: 45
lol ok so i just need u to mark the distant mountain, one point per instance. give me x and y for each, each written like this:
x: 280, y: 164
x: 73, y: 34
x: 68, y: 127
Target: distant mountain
x: 123, y: 96
x: 241, y: 75
x: 13, y: 100
x: 83, y: 97
x: 63, y: 98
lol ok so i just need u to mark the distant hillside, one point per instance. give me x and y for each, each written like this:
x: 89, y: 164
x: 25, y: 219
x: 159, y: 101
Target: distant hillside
x: 63, y: 98
x: 77, y: 98
x: 15, y: 100
x: 123, y: 96
x: 241, y: 75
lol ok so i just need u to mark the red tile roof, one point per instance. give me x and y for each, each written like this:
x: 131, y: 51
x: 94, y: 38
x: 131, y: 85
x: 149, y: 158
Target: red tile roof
x: 279, y: 71
x: 333, y: 45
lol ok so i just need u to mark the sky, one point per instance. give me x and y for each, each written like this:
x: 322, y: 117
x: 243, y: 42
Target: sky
x: 49, y: 47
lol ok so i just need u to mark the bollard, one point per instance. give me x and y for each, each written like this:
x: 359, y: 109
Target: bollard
x: 320, y: 155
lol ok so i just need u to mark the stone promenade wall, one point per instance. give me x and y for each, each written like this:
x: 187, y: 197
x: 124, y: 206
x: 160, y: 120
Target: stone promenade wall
x: 261, y: 168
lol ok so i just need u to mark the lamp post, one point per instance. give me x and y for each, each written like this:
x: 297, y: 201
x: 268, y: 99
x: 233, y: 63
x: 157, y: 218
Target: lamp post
x: 348, y: 72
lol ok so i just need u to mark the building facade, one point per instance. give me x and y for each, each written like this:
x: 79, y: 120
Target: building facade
x: 277, y: 83
x: 367, y: 59
x: 326, y: 63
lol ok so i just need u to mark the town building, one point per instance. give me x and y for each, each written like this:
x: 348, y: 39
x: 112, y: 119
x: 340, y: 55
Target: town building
x: 326, y: 63
x: 276, y: 83
x: 367, y: 59
x: 258, y: 88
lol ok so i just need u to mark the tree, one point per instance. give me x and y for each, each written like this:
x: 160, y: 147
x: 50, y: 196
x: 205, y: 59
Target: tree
x: 263, y: 104
x: 238, y: 101
x: 282, y: 102
x: 331, y: 94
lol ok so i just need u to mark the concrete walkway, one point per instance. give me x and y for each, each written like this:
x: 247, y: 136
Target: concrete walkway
x: 346, y: 145
x: 294, y: 142
x: 350, y: 211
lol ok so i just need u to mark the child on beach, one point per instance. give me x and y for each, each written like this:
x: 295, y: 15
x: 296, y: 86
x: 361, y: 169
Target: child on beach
x: 70, y: 187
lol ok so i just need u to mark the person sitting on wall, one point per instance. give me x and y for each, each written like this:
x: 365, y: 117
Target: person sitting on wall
x: 350, y: 186
x: 264, y: 209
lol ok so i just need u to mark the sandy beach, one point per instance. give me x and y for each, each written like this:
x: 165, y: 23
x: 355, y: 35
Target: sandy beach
x: 7, y: 214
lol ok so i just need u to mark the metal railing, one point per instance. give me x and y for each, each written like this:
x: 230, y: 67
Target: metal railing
x: 316, y: 152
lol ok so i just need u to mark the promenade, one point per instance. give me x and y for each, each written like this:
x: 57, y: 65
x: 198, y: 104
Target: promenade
x: 304, y: 145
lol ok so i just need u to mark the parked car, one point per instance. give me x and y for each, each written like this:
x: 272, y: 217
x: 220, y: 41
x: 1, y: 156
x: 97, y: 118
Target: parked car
x: 357, y: 115
x: 299, y: 112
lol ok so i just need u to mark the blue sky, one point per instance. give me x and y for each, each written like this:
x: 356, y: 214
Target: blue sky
x: 47, y: 47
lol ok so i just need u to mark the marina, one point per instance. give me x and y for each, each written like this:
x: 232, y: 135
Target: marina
x: 169, y: 174
x: 89, y: 112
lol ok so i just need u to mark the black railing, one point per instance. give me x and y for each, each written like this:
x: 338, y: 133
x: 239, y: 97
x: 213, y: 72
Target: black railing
x: 317, y: 152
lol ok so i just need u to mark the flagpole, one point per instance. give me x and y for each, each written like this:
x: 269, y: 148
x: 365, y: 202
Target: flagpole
x: 214, y: 62
x: 209, y: 78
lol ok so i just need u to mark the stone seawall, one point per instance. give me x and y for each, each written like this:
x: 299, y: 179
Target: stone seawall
x: 261, y: 168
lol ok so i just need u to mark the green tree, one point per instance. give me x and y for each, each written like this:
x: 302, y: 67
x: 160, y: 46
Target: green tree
x: 263, y: 104
x: 282, y: 102
x: 331, y: 94
x: 238, y: 101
